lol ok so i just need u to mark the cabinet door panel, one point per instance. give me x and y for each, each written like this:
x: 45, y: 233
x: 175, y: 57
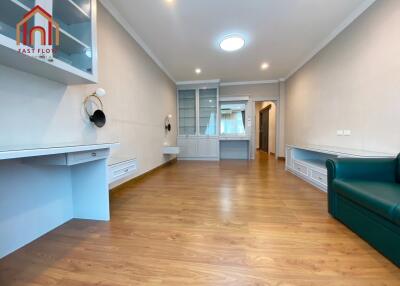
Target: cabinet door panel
x: 208, y: 105
x: 74, y: 19
x: 208, y: 148
x: 188, y: 147
x: 187, y: 112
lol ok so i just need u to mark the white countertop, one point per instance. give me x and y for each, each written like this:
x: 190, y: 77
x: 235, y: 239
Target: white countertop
x: 234, y: 138
x: 15, y: 152
x: 344, y: 152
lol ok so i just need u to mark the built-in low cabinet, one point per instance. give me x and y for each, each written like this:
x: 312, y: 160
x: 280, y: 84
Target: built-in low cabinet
x: 309, y: 162
x: 121, y: 170
x: 198, y: 148
x: 308, y: 165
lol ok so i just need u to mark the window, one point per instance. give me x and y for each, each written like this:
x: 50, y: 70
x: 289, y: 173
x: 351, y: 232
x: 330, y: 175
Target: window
x: 233, y: 118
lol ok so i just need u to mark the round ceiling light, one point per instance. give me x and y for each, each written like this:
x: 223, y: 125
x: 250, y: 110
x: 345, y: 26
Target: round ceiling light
x: 232, y: 43
x: 264, y: 66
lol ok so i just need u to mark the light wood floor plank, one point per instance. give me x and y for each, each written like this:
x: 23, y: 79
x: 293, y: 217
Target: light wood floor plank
x: 205, y: 223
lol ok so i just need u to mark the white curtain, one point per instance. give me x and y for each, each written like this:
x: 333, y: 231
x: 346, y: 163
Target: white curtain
x: 211, y: 125
x: 232, y: 123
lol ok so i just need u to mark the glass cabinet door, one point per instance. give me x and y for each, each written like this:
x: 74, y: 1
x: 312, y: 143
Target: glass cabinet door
x: 187, y: 112
x: 208, y: 111
x: 75, y: 21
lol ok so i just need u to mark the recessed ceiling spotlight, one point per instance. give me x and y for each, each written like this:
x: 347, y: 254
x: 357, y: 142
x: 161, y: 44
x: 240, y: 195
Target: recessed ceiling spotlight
x: 197, y: 71
x: 169, y: 1
x: 232, y: 43
x: 264, y: 66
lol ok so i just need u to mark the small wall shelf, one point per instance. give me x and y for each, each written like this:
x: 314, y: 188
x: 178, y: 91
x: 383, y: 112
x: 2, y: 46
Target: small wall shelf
x: 171, y: 150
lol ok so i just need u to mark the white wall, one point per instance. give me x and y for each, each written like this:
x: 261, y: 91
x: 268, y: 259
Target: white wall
x: 34, y: 110
x: 354, y: 84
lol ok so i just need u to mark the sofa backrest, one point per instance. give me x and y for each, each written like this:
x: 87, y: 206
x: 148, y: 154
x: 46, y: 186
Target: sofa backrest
x: 398, y: 169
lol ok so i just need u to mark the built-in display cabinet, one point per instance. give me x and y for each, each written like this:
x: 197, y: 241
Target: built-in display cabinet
x: 73, y: 56
x: 198, y: 122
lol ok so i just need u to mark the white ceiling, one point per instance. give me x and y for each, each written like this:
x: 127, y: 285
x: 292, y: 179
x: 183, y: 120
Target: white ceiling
x: 184, y: 35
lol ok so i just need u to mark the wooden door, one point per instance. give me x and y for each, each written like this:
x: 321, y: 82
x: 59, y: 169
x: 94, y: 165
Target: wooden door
x: 264, y: 128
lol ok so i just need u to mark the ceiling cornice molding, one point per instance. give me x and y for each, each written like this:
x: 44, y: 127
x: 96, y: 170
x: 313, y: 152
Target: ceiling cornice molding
x: 122, y: 21
x: 217, y: 81
x: 350, y: 19
x: 249, y: 82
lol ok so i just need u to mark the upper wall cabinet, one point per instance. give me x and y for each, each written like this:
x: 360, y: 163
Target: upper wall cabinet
x: 55, y: 39
x: 198, y: 111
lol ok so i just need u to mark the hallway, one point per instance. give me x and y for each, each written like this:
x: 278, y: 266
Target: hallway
x: 205, y: 223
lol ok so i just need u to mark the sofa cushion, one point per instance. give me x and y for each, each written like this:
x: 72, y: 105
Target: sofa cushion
x: 382, y: 198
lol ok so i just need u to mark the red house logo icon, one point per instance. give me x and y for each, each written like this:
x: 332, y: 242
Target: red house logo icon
x: 46, y: 38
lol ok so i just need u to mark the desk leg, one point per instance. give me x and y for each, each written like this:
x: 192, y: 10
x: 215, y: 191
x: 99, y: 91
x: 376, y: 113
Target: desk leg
x: 90, y: 191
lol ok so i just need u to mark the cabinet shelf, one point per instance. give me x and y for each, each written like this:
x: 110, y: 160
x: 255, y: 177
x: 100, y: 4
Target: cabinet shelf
x: 14, y: 12
x: 71, y: 45
x: 28, y: 3
x: 70, y: 12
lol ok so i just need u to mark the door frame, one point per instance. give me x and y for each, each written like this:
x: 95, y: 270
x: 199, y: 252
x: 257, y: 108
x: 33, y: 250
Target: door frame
x: 277, y: 103
x: 267, y: 108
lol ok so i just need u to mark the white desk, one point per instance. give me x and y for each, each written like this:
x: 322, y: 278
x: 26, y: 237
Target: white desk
x: 42, y: 187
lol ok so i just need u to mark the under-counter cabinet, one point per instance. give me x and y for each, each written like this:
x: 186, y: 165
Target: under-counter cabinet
x: 198, y: 122
x: 70, y: 56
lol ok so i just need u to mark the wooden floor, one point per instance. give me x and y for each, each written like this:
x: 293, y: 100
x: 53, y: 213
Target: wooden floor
x: 205, y: 223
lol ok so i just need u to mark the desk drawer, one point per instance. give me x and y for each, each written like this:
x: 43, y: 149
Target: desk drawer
x: 300, y: 168
x: 319, y: 177
x: 122, y: 170
x: 86, y: 156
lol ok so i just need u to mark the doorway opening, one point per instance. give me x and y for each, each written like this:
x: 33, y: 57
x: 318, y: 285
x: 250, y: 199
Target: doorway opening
x: 266, y: 127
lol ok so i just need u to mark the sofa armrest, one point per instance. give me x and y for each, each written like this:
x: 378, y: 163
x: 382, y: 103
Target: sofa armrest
x: 358, y: 169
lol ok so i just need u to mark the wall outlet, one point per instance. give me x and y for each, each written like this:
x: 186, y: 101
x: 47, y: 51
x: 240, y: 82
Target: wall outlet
x: 339, y: 132
x: 347, y: 132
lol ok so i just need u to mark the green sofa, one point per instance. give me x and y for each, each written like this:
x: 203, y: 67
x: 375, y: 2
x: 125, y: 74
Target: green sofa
x: 364, y: 194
